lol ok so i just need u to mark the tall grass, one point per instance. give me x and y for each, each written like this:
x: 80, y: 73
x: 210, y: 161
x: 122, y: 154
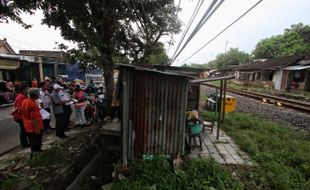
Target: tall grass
x: 197, y: 175
x: 282, y: 155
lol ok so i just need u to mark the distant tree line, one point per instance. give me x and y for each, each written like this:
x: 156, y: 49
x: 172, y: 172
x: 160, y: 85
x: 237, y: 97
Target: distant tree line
x: 295, y: 40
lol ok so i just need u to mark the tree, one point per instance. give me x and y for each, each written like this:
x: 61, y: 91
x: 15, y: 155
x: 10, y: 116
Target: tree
x: 11, y: 9
x: 231, y: 57
x: 157, y: 56
x: 295, y: 40
x: 110, y: 29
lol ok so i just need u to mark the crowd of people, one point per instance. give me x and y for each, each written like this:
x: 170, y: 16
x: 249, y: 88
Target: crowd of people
x: 35, y: 103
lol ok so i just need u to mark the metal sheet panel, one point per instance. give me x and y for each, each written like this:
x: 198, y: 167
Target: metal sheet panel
x: 157, y: 113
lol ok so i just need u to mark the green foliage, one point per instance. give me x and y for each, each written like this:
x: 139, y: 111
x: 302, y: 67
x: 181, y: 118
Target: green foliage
x: 53, y: 156
x: 231, y: 57
x: 198, y: 174
x: 11, y: 9
x: 20, y: 182
x: 158, y: 55
x: 295, y: 40
x: 282, y: 155
x: 130, y: 28
x: 114, y: 28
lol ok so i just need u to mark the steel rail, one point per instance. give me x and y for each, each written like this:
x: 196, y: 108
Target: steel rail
x: 295, y: 104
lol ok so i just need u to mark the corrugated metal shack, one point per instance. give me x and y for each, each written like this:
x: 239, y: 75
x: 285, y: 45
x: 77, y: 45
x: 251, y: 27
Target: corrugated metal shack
x: 153, y: 111
x: 197, y: 73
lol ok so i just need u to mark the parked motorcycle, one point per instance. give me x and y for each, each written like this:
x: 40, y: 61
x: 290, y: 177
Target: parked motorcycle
x: 90, y: 110
x: 101, y: 106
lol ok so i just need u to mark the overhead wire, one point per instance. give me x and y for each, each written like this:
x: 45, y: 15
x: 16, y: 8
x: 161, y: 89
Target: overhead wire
x: 189, y: 24
x: 14, y: 39
x: 210, y: 11
x: 222, y: 31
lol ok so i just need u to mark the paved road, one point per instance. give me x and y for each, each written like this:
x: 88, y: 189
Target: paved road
x: 9, y: 130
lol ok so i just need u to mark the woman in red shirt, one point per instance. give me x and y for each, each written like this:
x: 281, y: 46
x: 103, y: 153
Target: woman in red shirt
x: 32, y: 119
x: 21, y: 96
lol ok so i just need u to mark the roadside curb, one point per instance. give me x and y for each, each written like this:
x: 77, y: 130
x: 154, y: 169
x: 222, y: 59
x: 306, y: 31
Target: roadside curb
x: 6, y: 105
x: 9, y: 150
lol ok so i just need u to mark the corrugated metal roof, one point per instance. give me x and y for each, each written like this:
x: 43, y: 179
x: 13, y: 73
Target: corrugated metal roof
x: 149, y: 69
x: 304, y: 62
x: 297, y: 67
x: 212, y: 79
x: 271, y: 64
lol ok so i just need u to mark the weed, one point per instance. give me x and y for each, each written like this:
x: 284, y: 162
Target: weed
x: 53, y: 156
x: 282, y: 154
x: 198, y: 174
x: 20, y: 182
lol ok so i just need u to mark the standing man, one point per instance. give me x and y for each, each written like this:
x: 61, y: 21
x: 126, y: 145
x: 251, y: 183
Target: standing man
x: 46, y: 101
x: 21, y: 96
x: 32, y: 119
x: 58, y: 111
x: 64, y: 97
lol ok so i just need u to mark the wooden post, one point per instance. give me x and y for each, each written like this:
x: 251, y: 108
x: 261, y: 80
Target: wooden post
x: 224, y: 101
x: 220, y: 111
x: 125, y: 121
x: 55, y: 69
x: 40, y: 69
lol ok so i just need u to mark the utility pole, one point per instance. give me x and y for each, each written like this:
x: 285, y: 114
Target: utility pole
x: 226, y: 45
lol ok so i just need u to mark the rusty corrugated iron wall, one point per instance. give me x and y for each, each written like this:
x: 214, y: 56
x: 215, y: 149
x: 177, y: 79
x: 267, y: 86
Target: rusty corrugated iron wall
x: 156, y: 112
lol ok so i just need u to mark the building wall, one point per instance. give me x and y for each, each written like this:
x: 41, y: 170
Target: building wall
x: 277, y: 79
x: 3, y: 50
x: 307, y: 80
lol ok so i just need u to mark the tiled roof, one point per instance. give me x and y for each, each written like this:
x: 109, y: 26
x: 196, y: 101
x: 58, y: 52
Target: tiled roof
x: 273, y: 64
x: 6, y: 45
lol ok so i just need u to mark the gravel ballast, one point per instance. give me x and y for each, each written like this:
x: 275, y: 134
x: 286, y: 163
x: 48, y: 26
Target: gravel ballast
x: 287, y: 117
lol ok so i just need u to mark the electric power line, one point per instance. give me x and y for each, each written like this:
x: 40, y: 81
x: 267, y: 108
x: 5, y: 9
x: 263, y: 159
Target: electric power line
x: 202, y: 21
x: 222, y: 31
x: 7, y: 36
x: 189, y: 24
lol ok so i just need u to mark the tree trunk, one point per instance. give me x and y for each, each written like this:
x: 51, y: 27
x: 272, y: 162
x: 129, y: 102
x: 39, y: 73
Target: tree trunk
x: 108, y: 81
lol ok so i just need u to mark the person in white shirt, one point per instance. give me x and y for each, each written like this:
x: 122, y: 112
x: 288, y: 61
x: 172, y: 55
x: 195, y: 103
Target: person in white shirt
x: 46, y: 103
x: 64, y: 97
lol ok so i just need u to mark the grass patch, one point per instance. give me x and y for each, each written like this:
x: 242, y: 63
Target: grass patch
x: 282, y: 155
x: 30, y: 178
x: 198, y: 174
x: 53, y: 156
x: 20, y: 182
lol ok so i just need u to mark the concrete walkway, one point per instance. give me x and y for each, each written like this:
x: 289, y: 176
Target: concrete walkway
x: 223, y: 151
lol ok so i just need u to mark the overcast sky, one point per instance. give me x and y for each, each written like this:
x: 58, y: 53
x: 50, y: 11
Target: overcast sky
x: 269, y: 18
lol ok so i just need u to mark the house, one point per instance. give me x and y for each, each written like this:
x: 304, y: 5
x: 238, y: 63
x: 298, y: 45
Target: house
x: 278, y: 73
x: 29, y: 64
x: 296, y: 76
x: 6, y: 65
x: 49, y: 63
x: 153, y: 111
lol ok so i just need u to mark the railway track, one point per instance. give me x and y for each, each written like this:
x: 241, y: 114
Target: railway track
x: 294, y: 104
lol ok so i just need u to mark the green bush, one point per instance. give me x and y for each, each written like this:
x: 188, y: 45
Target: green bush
x: 282, y: 155
x: 198, y: 174
x: 52, y: 156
